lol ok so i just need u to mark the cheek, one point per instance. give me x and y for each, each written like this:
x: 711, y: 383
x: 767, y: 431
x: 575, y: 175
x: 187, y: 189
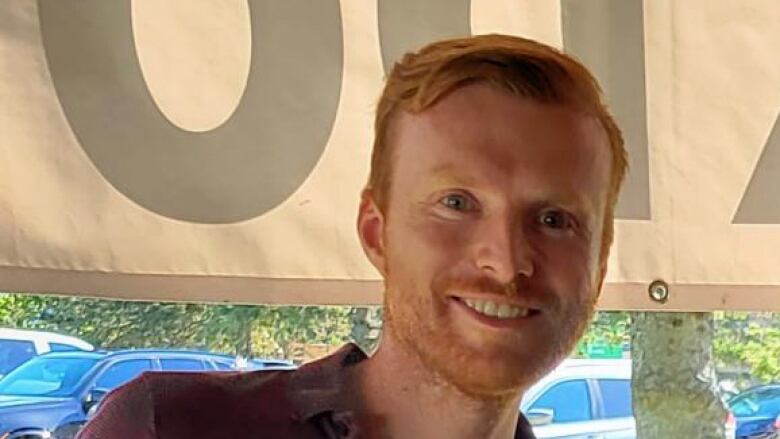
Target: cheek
x: 442, y: 235
x: 569, y: 266
x: 422, y: 255
x: 429, y: 243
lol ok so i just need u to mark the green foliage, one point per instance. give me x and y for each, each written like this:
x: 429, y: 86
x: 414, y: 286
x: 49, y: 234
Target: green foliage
x: 233, y: 329
x: 610, y: 328
x: 748, y: 341
x: 743, y: 342
x: 289, y: 326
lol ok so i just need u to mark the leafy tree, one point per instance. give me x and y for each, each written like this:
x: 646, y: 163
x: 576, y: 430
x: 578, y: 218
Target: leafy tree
x: 245, y: 330
x: 290, y: 326
x: 607, y: 327
x: 749, y: 341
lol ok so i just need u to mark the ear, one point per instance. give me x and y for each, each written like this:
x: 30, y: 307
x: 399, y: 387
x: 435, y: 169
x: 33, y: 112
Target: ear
x: 371, y: 228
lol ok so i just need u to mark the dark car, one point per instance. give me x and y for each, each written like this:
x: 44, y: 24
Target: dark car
x: 261, y: 364
x: 757, y: 411
x: 52, y: 395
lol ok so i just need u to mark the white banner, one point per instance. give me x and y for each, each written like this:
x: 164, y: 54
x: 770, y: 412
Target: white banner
x: 215, y: 150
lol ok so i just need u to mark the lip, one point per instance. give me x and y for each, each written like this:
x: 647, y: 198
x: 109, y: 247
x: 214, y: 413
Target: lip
x: 495, y: 322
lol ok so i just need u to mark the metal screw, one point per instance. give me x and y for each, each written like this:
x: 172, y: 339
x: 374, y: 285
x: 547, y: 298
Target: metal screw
x: 659, y: 291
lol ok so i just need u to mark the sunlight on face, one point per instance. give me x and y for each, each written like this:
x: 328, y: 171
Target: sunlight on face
x: 492, y: 232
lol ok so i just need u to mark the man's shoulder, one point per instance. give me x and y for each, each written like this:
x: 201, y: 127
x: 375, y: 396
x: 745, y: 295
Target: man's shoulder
x: 268, y: 403
x: 218, y: 391
x: 239, y: 381
x: 268, y: 400
x: 218, y: 403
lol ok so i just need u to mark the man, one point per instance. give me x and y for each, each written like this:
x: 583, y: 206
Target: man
x: 489, y: 213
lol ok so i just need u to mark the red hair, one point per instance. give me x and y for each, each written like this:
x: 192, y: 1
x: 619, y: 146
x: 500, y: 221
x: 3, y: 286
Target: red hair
x: 520, y: 66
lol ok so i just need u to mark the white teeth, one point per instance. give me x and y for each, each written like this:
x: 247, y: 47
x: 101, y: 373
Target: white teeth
x: 493, y: 309
x: 504, y: 311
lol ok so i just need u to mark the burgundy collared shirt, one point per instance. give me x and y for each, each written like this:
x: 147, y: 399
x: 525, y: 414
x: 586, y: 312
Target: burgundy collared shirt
x: 307, y: 403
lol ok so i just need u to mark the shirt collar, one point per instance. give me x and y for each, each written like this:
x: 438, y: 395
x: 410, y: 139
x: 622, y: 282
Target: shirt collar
x: 318, y: 386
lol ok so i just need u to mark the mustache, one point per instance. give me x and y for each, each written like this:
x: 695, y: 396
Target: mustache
x: 488, y: 285
x: 484, y: 285
x: 520, y: 291
x: 522, y: 288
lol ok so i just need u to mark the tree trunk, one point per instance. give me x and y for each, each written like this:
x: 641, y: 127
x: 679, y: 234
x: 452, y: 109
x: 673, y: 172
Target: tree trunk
x: 674, y: 382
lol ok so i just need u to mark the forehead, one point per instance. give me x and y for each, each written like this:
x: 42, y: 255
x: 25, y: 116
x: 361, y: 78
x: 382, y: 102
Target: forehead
x: 482, y: 133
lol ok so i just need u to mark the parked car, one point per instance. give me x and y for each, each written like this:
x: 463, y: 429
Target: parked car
x: 262, y: 364
x: 757, y: 411
x: 53, y: 395
x: 582, y: 398
x: 586, y: 399
x: 19, y: 345
x: 227, y: 362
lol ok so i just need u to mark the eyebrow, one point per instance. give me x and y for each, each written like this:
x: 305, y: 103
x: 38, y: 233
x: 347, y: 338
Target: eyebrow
x: 450, y: 174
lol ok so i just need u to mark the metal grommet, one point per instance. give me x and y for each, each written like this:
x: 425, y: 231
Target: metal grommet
x: 658, y: 291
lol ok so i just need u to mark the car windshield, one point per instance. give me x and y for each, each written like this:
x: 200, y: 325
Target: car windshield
x: 43, y: 376
x: 759, y: 402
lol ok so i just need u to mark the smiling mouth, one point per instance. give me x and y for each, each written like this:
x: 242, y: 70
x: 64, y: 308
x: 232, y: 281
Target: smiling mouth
x: 496, y: 310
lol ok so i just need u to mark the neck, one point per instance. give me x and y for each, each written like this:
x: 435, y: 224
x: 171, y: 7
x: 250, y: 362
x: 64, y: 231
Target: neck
x: 411, y: 401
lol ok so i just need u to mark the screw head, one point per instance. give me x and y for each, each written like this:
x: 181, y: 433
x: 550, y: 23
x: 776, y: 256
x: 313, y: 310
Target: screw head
x: 659, y: 291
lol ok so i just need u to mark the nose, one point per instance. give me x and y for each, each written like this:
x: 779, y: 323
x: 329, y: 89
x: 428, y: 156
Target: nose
x: 503, y: 251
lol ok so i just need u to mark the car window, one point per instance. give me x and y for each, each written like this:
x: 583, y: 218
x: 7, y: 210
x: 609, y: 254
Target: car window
x: 61, y: 347
x: 744, y: 406
x: 276, y: 364
x: 569, y: 400
x: 122, y: 372
x: 616, y: 396
x: 46, y: 376
x: 221, y: 365
x: 182, y: 364
x: 14, y: 353
x: 759, y: 402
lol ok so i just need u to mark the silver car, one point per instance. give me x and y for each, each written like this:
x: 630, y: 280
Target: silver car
x: 585, y: 399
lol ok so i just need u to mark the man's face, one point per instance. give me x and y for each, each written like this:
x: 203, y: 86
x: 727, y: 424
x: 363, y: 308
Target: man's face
x: 491, y: 236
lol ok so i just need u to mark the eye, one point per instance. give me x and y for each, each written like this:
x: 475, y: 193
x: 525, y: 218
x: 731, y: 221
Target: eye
x: 555, y: 219
x: 458, y: 202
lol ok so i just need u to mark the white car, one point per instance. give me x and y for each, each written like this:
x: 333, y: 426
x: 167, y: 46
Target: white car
x: 586, y: 399
x: 19, y: 345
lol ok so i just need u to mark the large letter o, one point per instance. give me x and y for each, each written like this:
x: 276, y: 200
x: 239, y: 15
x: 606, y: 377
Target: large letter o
x: 238, y: 171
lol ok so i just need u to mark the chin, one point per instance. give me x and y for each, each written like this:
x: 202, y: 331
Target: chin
x: 478, y: 371
x: 483, y: 367
x: 499, y: 375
